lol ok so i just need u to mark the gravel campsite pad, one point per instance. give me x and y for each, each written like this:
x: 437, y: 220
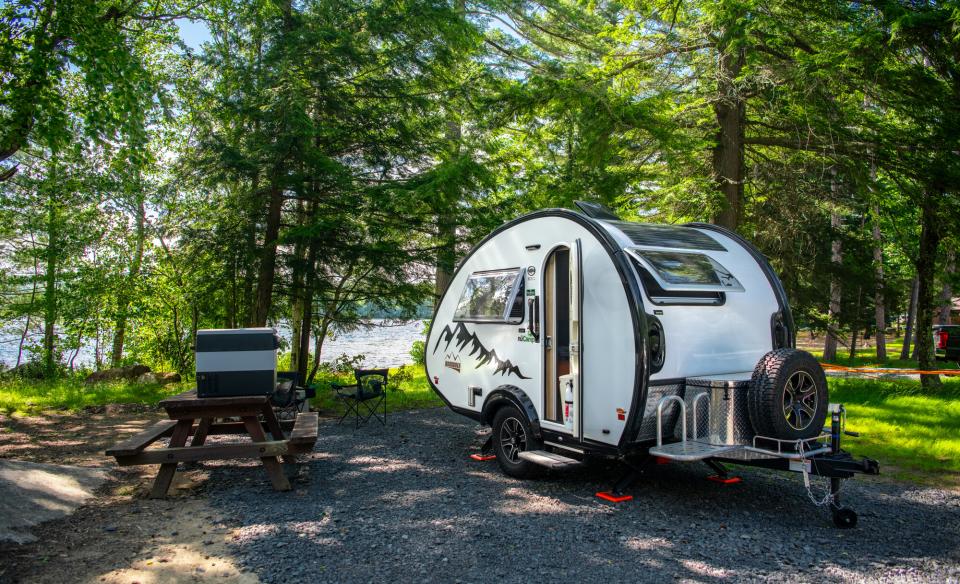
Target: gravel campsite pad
x: 406, y: 503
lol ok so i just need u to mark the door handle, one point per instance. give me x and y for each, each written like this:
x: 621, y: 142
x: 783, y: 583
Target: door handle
x: 533, y: 309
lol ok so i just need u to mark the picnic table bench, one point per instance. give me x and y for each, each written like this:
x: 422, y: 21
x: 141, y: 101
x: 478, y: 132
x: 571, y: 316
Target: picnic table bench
x: 187, y: 408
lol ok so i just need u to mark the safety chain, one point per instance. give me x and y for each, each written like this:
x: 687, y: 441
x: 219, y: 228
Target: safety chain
x: 827, y: 498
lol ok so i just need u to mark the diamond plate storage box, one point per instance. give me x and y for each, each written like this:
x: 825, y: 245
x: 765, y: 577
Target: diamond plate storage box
x: 729, y: 417
x: 234, y: 362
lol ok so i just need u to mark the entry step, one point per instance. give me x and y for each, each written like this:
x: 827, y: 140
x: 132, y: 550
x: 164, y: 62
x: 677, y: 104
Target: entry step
x: 548, y: 459
x: 691, y: 450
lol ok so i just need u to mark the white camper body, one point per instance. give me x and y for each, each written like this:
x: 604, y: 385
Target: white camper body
x: 577, y: 334
x: 556, y: 301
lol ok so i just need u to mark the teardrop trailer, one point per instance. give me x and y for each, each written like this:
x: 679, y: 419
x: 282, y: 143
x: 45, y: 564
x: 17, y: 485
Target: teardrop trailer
x: 577, y: 335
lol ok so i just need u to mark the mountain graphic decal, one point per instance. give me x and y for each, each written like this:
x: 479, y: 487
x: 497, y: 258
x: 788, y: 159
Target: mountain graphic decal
x: 464, y: 338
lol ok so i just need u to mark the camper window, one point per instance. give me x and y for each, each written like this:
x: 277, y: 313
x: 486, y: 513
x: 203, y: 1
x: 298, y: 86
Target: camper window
x: 686, y: 271
x: 491, y: 297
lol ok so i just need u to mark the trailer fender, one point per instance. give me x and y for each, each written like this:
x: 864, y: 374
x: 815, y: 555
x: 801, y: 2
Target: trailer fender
x: 512, y: 395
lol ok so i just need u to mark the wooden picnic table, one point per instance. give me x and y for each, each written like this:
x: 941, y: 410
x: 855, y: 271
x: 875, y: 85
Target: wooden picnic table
x: 200, y: 417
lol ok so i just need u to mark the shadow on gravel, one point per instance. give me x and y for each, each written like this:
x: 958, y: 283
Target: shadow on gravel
x: 405, y: 503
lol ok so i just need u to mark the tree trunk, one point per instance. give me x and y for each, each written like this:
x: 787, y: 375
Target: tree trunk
x: 76, y: 351
x: 252, y: 254
x: 911, y: 317
x: 307, y: 315
x: 318, y: 347
x: 833, y: 313
x: 296, y: 321
x: 249, y: 301
x: 853, y: 341
x: 268, y: 257
x: 728, y: 154
x: 446, y: 254
x: 133, y: 274
x: 946, y: 294
x: 926, y: 267
x: 50, y: 298
x: 231, y: 307
x: 33, y: 299
x: 304, y: 340
x: 880, y: 317
x: 446, y: 214
x: 855, y: 326
x: 297, y: 290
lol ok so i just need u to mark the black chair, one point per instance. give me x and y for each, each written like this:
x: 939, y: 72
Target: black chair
x: 370, y: 390
x: 290, y: 398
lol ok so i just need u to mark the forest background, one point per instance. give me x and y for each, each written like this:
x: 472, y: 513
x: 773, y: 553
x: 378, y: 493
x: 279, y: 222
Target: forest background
x: 312, y: 161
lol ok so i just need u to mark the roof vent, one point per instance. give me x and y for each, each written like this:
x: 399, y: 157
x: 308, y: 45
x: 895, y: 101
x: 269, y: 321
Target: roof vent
x: 596, y: 211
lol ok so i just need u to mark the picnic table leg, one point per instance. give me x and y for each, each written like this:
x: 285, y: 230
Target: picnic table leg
x: 179, y: 438
x: 279, y: 480
x: 273, y: 425
x: 203, y: 428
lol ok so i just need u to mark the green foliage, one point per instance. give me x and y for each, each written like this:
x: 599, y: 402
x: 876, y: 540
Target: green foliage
x: 319, y: 159
x: 103, y: 48
x: 418, y: 352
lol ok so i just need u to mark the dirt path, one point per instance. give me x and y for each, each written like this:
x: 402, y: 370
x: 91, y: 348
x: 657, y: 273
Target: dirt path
x: 120, y: 537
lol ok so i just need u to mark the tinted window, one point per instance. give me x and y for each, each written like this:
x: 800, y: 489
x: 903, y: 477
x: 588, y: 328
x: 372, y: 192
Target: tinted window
x: 686, y: 270
x: 490, y: 296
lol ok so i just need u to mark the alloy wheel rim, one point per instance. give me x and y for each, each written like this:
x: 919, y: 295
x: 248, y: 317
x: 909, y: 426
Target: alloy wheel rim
x: 800, y: 400
x: 513, y: 439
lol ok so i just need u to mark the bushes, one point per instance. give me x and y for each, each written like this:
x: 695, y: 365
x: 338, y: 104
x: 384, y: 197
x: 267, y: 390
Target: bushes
x: 418, y: 351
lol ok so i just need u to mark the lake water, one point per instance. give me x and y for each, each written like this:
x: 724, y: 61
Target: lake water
x: 386, y: 343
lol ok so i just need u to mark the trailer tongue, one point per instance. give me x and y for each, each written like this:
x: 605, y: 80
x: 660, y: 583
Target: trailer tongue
x: 817, y: 456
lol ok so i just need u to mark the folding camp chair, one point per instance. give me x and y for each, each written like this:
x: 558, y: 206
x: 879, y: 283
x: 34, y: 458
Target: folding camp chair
x: 290, y: 398
x: 370, y: 391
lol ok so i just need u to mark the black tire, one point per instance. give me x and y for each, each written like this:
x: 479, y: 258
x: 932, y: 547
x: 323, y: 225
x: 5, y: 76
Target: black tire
x: 845, y: 518
x: 788, y: 395
x: 511, y: 435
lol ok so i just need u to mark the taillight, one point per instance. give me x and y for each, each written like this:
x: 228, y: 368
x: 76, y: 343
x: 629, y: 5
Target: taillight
x: 942, y: 339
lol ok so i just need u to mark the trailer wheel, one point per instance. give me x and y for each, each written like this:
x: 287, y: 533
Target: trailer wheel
x: 845, y: 518
x: 512, y: 435
x: 788, y: 395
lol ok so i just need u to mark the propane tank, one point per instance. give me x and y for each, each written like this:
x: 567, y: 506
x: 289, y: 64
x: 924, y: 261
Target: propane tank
x: 568, y: 407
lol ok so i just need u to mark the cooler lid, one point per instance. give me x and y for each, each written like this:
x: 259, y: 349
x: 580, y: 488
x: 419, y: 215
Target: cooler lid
x: 243, y: 339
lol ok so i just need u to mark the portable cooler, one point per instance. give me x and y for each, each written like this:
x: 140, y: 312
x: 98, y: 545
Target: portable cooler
x: 233, y: 362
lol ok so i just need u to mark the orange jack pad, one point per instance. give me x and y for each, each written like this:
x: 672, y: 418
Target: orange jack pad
x: 725, y: 481
x: 608, y: 496
x: 662, y: 460
x: 483, y: 457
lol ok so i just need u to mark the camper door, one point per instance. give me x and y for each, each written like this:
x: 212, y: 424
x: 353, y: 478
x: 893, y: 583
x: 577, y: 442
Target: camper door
x: 570, y: 383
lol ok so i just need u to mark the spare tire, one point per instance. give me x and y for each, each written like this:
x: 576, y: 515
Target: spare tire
x: 788, y: 395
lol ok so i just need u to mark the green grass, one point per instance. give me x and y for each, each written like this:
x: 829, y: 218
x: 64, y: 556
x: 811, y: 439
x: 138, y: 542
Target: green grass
x: 23, y: 396
x: 914, y: 433
x: 407, y: 390
x: 867, y: 357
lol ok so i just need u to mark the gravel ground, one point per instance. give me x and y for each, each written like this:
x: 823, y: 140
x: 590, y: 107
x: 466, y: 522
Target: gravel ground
x: 405, y: 503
